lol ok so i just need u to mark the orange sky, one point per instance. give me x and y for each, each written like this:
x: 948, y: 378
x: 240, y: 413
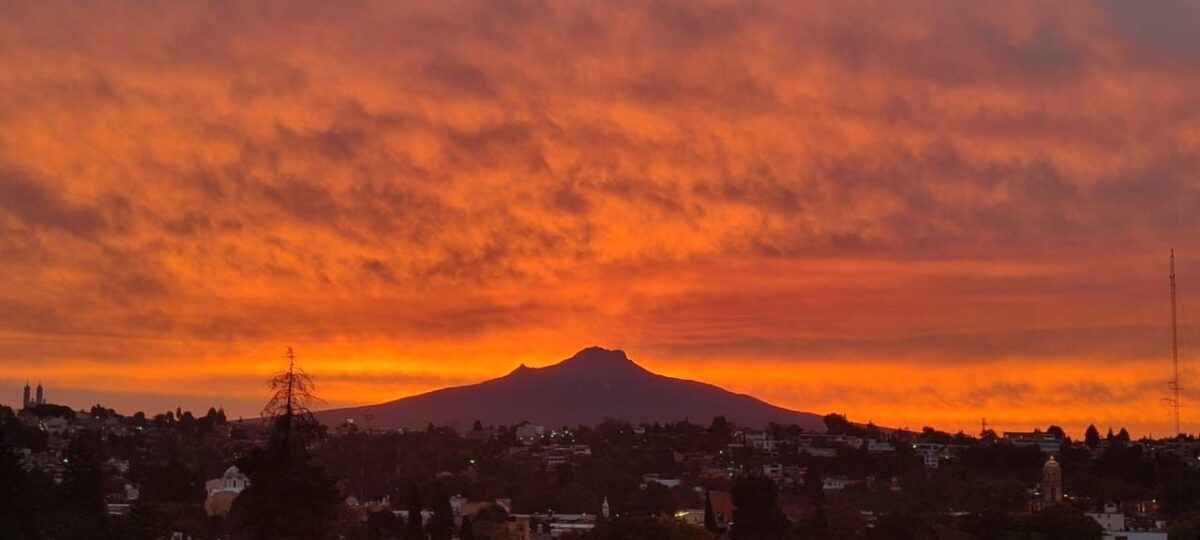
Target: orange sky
x: 914, y: 213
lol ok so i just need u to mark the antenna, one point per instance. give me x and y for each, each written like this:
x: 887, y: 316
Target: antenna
x: 1173, y: 384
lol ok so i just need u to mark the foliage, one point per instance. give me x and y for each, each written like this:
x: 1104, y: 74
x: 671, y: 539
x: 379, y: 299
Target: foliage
x: 288, y: 497
x: 79, y: 504
x: 756, y: 514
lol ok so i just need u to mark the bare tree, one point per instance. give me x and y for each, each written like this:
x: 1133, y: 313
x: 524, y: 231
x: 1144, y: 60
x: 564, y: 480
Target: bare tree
x: 293, y: 393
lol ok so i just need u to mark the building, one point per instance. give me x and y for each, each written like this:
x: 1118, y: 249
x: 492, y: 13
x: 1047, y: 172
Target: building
x: 647, y: 479
x: 1117, y: 527
x: 528, y: 433
x: 28, y: 401
x: 222, y: 491
x: 1048, y: 443
x: 1051, y: 482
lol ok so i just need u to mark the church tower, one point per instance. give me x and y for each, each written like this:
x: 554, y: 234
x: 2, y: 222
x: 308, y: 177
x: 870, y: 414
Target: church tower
x: 1051, y: 482
x: 26, y: 401
x: 41, y: 397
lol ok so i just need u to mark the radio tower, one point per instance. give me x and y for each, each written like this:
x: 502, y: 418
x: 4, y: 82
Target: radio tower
x: 1173, y: 384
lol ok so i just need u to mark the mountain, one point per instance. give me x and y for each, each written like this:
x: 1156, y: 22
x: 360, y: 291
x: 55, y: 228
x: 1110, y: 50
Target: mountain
x: 594, y: 385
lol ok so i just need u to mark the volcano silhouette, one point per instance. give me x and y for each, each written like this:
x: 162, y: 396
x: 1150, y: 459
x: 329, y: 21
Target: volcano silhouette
x: 593, y: 385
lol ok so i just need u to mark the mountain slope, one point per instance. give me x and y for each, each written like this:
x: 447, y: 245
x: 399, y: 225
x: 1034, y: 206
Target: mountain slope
x: 593, y: 385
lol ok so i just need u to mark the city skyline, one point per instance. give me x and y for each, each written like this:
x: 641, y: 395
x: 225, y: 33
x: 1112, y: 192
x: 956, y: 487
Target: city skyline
x: 913, y: 215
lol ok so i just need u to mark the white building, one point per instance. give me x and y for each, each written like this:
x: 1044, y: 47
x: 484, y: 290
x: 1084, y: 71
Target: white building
x: 1048, y: 443
x: 1116, y: 527
x: 222, y: 491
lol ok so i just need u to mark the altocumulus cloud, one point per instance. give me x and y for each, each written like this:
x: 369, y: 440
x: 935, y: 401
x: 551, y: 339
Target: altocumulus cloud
x: 807, y: 186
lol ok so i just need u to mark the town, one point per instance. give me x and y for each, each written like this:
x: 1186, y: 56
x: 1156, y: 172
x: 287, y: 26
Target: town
x: 177, y: 475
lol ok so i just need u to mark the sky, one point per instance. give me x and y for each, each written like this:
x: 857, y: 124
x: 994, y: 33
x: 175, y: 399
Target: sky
x: 913, y: 213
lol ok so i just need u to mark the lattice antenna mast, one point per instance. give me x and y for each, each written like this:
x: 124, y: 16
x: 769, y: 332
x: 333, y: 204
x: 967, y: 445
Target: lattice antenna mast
x: 1174, y: 383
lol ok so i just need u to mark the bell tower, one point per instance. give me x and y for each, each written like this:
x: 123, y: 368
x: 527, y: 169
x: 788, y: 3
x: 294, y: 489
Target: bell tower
x: 1052, y: 482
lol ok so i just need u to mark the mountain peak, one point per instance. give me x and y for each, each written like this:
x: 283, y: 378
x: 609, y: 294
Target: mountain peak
x: 598, y: 362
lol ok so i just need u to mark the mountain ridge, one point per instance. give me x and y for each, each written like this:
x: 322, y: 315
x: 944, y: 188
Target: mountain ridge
x: 589, y: 387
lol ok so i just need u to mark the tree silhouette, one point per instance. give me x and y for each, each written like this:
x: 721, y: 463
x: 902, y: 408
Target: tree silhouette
x: 710, y: 518
x: 757, y: 515
x: 441, y: 524
x: 719, y: 433
x: 288, y: 496
x: 416, y: 526
x: 1092, y: 436
x: 80, y: 509
x: 292, y: 395
x: 19, y: 514
x: 465, y: 530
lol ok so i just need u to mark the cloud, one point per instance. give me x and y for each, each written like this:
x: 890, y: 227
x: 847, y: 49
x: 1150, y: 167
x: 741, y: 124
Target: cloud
x: 506, y: 181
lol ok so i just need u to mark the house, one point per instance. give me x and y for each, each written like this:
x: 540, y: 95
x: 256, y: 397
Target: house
x: 1117, y: 527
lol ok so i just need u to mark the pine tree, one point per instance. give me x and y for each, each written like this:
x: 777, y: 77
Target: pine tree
x: 288, y: 496
x: 710, y: 518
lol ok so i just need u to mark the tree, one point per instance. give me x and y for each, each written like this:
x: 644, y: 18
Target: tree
x: 293, y: 393
x: 154, y: 520
x: 490, y: 523
x: 80, y: 508
x: 710, y: 517
x: 719, y: 433
x: 383, y: 524
x: 416, y: 525
x: 653, y: 500
x: 465, y: 530
x: 1062, y: 522
x: 441, y: 523
x: 18, y: 517
x: 1123, y: 435
x: 1092, y: 436
x: 756, y: 514
x: 288, y: 496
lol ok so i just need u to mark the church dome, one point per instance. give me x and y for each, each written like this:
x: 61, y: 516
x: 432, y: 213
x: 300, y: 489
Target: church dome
x: 232, y: 472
